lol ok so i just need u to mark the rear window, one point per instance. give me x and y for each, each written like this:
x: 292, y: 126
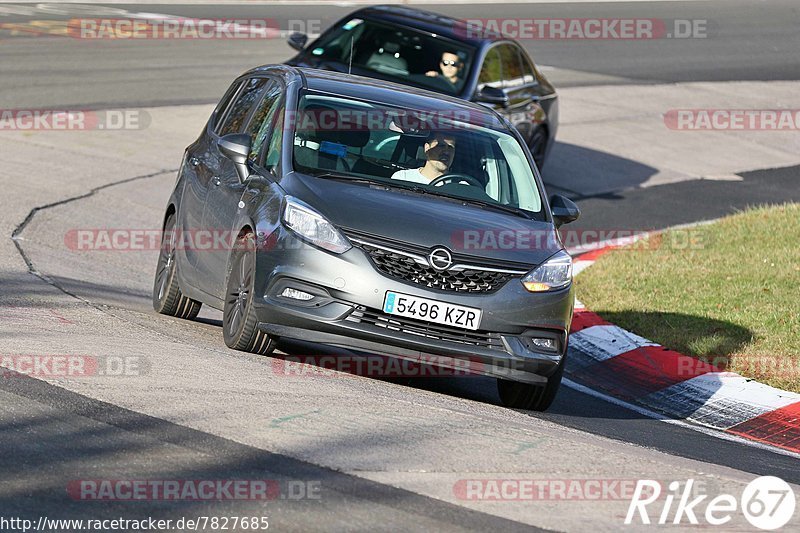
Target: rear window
x: 224, y: 103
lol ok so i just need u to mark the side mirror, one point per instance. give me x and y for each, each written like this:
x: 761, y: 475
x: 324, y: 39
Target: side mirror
x: 564, y: 210
x: 298, y: 41
x: 236, y: 147
x: 492, y: 95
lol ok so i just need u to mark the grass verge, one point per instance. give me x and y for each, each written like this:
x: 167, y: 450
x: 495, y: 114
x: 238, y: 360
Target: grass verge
x: 727, y: 292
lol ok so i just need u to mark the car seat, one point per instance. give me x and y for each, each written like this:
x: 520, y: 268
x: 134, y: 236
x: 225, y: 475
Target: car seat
x: 387, y: 60
x: 324, y: 137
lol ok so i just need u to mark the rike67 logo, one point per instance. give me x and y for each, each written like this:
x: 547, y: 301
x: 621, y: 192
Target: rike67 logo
x: 767, y: 502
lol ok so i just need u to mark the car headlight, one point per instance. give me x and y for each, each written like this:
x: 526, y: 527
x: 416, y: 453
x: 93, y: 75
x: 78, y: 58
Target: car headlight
x: 553, y: 274
x: 313, y: 227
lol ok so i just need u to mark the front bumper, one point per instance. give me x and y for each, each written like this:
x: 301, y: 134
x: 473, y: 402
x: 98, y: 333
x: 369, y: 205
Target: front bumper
x: 346, y: 312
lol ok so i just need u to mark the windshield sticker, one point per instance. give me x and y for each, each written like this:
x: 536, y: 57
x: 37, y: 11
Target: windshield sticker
x: 352, y: 24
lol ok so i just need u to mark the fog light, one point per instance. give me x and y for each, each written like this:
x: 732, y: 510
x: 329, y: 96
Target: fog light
x: 545, y: 344
x: 294, y: 294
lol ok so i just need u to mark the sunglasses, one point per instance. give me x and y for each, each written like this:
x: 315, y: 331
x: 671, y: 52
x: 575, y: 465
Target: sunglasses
x: 449, y: 63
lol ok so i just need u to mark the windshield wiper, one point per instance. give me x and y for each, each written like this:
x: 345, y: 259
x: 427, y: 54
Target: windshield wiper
x: 343, y: 177
x: 358, y: 179
x: 500, y: 207
x: 483, y: 203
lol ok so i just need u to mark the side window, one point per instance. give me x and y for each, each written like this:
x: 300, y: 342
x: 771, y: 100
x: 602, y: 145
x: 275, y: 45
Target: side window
x: 528, y: 75
x: 491, y: 72
x: 273, y: 154
x: 512, y: 72
x: 248, y: 96
x: 219, y: 112
x: 261, y: 122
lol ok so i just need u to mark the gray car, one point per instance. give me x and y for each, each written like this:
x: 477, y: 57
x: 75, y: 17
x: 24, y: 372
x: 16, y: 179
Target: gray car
x: 358, y: 213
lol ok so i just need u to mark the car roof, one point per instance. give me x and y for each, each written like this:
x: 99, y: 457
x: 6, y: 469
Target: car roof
x: 430, y: 22
x: 395, y: 94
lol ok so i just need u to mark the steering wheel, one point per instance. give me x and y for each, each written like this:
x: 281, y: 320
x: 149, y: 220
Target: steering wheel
x: 455, y: 177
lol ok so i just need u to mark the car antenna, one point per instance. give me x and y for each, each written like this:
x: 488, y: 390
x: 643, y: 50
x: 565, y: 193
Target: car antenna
x: 350, y: 63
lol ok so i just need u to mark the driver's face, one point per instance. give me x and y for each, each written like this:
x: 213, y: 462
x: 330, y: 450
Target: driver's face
x: 449, y: 64
x: 440, y: 152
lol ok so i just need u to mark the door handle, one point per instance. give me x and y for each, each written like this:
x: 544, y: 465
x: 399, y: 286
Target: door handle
x: 216, y: 181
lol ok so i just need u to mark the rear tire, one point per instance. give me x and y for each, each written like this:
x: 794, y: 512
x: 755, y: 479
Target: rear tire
x: 239, y: 322
x: 167, y: 296
x: 530, y: 397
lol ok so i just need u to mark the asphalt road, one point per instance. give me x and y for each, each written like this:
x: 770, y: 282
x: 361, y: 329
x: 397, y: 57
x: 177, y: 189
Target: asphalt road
x: 369, y: 455
x: 744, y: 41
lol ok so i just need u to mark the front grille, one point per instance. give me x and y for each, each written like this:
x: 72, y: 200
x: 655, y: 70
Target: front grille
x: 409, y: 263
x: 410, y: 326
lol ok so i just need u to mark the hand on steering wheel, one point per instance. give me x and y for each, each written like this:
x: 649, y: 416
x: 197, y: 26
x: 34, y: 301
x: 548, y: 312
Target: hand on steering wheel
x: 455, y: 177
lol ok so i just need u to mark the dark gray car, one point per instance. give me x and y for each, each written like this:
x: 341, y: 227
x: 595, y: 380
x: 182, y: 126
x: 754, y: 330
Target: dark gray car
x: 406, y: 45
x: 358, y: 213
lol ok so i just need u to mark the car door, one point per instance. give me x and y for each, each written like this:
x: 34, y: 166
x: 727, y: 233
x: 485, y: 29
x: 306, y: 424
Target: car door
x: 212, y: 166
x: 197, y: 175
x: 523, y: 109
x: 227, y: 194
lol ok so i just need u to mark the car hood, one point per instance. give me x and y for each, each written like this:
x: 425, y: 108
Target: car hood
x: 426, y: 220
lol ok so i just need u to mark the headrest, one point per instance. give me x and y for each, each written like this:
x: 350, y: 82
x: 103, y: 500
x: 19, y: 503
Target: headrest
x: 391, y: 48
x: 324, y: 123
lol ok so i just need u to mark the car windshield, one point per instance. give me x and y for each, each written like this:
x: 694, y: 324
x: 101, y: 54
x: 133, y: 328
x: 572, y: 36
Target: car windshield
x: 399, y: 54
x: 447, y: 153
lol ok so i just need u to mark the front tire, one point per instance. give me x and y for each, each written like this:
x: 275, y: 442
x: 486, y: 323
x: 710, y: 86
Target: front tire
x: 239, y: 322
x: 167, y: 296
x: 531, y: 397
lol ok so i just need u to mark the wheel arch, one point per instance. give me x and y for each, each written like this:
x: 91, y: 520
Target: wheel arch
x: 245, y: 227
x: 171, y: 210
x: 543, y: 127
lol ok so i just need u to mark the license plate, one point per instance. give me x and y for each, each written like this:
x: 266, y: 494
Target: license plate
x: 431, y: 310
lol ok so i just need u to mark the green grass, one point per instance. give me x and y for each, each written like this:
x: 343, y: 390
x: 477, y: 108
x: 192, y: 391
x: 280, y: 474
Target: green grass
x: 727, y: 292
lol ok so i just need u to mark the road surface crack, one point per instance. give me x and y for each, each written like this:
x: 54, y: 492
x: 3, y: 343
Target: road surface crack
x: 16, y: 234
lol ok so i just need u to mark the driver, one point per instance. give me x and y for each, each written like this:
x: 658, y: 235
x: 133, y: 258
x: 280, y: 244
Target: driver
x: 450, y: 66
x: 440, y: 149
